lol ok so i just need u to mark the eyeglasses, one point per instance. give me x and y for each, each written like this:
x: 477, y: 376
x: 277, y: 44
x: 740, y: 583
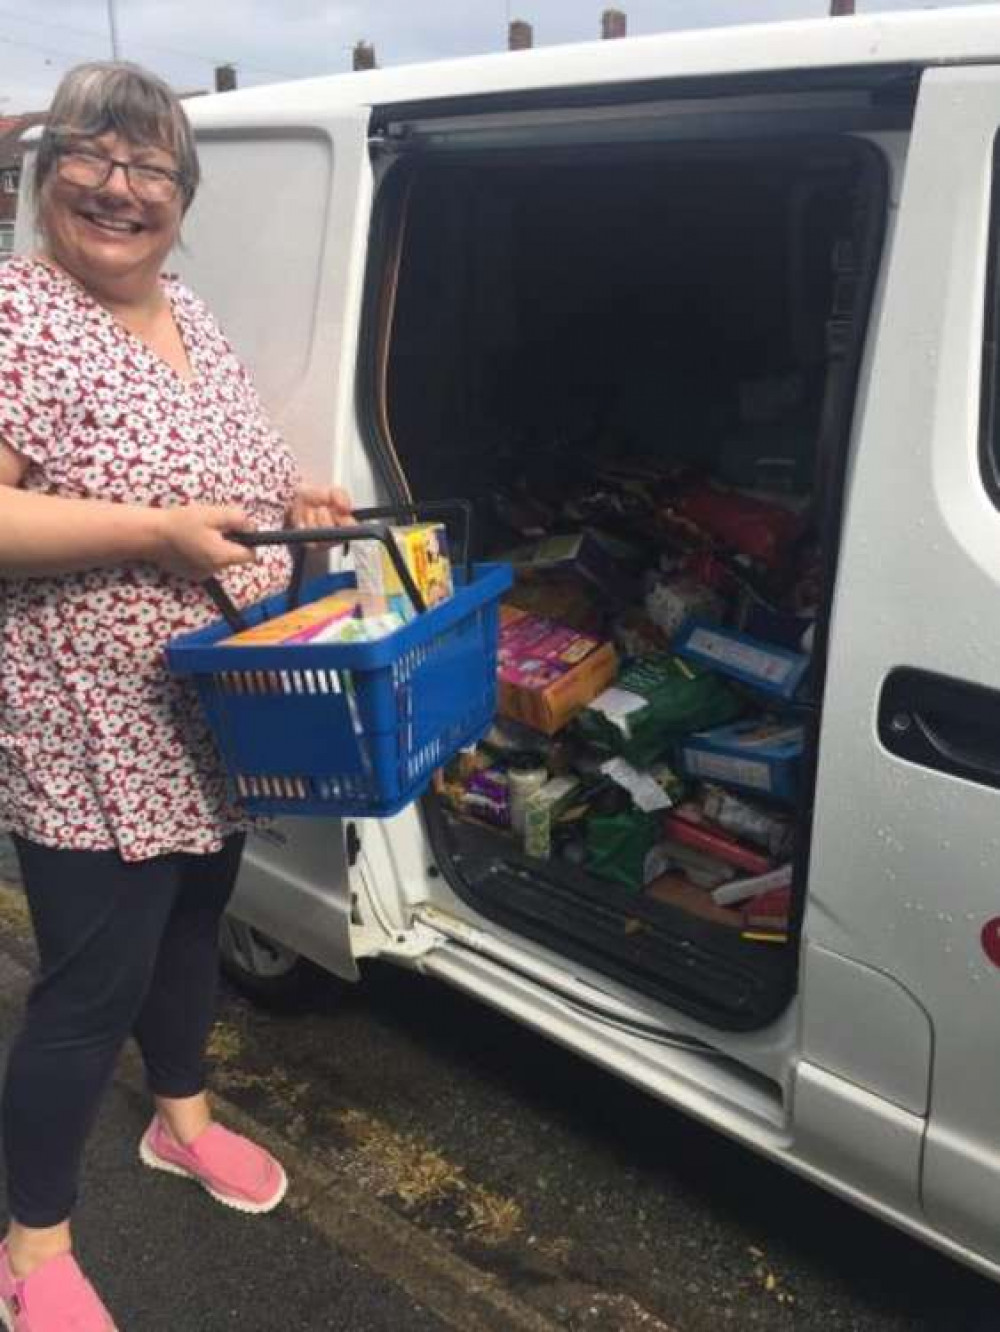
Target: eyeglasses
x: 151, y: 184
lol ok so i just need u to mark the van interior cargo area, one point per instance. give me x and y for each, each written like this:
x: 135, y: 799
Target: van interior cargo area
x: 637, y: 366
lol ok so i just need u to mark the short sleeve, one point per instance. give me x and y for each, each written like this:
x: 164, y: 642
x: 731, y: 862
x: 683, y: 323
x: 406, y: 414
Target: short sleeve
x: 32, y: 398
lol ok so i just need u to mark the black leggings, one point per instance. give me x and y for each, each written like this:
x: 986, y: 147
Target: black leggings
x: 124, y: 948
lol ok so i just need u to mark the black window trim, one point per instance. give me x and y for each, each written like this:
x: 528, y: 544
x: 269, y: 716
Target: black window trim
x: 989, y: 406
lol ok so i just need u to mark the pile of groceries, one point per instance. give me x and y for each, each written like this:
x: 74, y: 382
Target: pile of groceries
x: 653, y: 669
x: 654, y: 664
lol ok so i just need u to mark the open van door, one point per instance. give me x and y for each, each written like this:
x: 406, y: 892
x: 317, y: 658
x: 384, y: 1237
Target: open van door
x: 275, y: 244
x: 905, y: 871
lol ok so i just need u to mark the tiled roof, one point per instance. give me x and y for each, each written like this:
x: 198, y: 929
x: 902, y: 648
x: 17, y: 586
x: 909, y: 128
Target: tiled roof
x: 11, y: 129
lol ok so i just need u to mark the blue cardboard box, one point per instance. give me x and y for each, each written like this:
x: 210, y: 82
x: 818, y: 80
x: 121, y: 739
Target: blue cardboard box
x: 764, y: 666
x: 762, y: 757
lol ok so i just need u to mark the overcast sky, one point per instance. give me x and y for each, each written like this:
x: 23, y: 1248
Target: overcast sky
x: 272, y: 39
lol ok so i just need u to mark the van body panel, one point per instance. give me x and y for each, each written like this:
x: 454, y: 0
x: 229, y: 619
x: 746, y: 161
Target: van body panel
x: 697, y: 1080
x: 856, y: 1137
x: 961, y: 1186
x: 293, y: 887
x: 278, y: 237
x: 904, y: 857
x: 765, y: 1055
x: 802, y: 48
x: 865, y: 1027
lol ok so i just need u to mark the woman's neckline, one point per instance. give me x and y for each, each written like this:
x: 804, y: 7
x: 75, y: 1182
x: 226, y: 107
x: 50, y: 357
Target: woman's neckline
x: 165, y: 283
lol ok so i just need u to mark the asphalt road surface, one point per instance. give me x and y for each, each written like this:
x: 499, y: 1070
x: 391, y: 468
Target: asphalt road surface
x: 489, y: 1180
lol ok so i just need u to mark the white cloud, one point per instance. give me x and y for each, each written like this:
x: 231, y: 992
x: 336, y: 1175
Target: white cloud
x: 268, y: 39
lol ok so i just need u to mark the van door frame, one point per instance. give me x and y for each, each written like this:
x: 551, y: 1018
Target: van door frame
x: 401, y: 148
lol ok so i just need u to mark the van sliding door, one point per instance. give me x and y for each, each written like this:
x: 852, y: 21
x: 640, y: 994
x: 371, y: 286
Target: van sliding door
x: 905, y: 872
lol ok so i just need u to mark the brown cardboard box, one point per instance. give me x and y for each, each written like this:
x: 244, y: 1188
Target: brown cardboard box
x: 677, y: 891
x: 548, y: 672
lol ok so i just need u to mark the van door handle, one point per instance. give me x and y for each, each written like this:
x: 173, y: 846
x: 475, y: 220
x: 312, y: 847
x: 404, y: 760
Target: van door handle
x: 948, y: 725
x: 959, y: 753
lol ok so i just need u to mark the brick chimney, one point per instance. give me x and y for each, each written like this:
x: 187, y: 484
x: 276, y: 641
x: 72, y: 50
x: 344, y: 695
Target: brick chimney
x: 363, y: 56
x: 520, y: 36
x: 614, y: 23
x: 225, y: 78
x: 841, y: 8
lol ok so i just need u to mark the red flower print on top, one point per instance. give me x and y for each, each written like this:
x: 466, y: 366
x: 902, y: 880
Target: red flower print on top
x: 99, y: 747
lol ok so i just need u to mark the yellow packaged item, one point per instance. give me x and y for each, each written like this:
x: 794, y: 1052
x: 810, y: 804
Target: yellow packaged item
x: 424, y: 548
x: 305, y: 624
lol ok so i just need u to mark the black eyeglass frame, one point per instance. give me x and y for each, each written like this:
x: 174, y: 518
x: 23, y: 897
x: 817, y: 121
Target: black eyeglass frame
x: 174, y: 178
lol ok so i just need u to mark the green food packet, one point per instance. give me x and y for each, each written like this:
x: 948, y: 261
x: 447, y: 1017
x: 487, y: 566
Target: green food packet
x: 655, y: 701
x: 618, y: 844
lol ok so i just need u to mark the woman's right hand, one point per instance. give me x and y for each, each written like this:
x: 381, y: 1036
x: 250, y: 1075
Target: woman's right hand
x: 192, y: 543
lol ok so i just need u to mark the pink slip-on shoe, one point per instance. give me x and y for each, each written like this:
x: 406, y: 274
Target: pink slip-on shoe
x: 231, y: 1168
x: 56, y: 1297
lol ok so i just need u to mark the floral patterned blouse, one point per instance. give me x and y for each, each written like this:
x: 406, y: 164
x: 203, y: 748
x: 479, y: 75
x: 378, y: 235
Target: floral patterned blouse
x: 99, y: 747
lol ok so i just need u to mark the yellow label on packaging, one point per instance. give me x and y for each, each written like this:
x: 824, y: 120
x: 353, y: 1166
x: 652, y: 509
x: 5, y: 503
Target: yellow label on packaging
x: 424, y: 548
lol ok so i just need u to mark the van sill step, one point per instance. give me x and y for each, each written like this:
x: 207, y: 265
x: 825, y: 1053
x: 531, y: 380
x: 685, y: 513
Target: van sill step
x: 706, y: 970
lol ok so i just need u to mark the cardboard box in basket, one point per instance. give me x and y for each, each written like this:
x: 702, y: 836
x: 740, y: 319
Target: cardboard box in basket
x: 424, y: 548
x: 548, y: 672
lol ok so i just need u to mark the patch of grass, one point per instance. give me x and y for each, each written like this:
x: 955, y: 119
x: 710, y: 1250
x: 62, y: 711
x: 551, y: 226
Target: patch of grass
x: 225, y: 1043
x: 397, y: 1165
x: 15, y: 918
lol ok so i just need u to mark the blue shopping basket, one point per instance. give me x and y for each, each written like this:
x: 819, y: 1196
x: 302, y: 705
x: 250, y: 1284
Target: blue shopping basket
x: 356, y: 728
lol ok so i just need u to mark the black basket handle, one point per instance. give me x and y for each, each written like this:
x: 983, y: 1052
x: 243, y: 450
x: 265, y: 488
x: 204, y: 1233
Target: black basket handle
x: 367, y: 528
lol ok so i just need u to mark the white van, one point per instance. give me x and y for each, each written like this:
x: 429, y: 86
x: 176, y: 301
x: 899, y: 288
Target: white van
x: 436, y: 272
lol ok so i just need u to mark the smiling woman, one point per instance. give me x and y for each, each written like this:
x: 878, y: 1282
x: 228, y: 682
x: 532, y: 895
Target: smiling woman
x: 115, y: 172
x: 132, y: 445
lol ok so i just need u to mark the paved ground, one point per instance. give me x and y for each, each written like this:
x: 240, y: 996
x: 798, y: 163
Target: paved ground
x: 165, y: 1256
x: 453, y: 1170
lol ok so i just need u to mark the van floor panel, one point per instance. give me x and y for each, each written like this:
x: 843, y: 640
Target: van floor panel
x: 701, y: 969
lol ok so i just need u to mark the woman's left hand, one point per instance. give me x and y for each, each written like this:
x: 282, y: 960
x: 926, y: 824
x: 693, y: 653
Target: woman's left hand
x: 321, y: 506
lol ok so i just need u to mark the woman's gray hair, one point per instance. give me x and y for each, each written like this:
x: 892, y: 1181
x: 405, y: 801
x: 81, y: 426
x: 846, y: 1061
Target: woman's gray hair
x: 115, y: 96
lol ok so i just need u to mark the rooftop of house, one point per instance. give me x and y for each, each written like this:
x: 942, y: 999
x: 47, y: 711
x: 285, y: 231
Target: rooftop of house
x: 11, y: 130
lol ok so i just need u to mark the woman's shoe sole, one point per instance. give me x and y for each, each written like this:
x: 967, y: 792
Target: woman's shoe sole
x: 149, y: 1158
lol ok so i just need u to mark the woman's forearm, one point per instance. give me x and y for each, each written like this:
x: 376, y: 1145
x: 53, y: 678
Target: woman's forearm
x: 49, y: 534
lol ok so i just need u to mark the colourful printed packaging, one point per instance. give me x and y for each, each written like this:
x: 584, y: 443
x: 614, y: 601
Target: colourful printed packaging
x: 313, y: 622
x: 761, y: 756
x: 772, y: 670
x: 547, y: 672
x: 424, y: 548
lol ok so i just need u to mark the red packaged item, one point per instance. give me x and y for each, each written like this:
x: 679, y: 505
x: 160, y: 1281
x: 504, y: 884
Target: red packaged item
x: 702, y: 836
x: 751, y: 526
x: 706, y: 567
x: 769, y: 911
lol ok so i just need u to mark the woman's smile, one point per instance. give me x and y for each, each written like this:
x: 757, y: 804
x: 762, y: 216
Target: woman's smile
x: 110, y: 222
